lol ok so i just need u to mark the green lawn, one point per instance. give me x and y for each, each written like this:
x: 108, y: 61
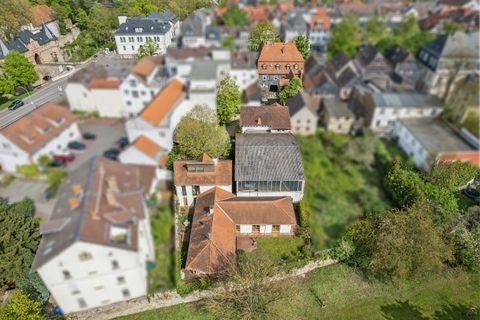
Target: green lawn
x: 343, y: 180
x: 454, y: 294
x: 5, y: 102
x: 471, y: 123
x: 162, y: 277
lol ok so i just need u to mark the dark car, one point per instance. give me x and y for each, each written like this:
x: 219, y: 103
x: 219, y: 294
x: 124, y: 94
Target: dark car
x: 75, y: 145
x: 64, y: 157
x: 112, y: 154
x: 122, y: 142
x: 58, y: 163
x: 89, y: 136
x: 15, y: 105
x: 47, y: 78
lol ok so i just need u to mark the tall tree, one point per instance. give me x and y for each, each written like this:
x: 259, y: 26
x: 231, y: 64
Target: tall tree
x: 18, y: 243
x: 235, y: 17
x: 262, y: 32
x: 290, y: 90
x: 228, y: 100
x: 13, y: 14
x: 375, y: 29
x: 404, y: 185
x: 198, y: 133
x: 303, y: 45
x: 20, y: 306
x: 18, y: 70
x: 100, y: 24
x: 147, y: 49
x: 345, y: 37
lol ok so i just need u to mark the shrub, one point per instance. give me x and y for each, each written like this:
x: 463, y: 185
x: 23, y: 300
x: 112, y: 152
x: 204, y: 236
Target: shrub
x: 344, y: 250
x: 29, y: 171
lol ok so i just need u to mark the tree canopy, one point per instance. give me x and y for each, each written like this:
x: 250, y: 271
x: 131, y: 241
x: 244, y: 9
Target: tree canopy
x: 20, y: 306
x: 262, y: 32
x: 235, y: 17
x: 13, y: 14
x: 228, y: 100
x: 290, y: 90
x: 198, y: 133
x: 19, y: 241
x: 345, y: 37
x: 303, y: 45
x: 18, y: 71
x: 147, y: 49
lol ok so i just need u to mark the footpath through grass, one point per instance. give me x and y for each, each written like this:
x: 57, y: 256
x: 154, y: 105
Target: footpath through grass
x: 343, y: 180
x: 454, y: 294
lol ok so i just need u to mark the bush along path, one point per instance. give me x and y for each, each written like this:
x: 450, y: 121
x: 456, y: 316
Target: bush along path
x: 171, y: 298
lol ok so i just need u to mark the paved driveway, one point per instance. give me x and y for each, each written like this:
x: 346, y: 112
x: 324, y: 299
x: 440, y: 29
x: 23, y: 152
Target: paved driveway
x: 108, y: 131
x: 33, y: 189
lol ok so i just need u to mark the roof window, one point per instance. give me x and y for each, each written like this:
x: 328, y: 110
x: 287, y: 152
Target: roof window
x: 264, y: 66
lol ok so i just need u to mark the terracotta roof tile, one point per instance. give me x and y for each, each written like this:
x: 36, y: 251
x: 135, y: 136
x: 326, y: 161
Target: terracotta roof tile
x: 34, y: 130
x: 282, y: 54
x: 150, y: 148
x: 320, y: 16
x: 41, y: 14
x: 146, y: 65
x: 277, y: 117
x: 163, y: 102
x: 220, y: 174
x: 111, y: 83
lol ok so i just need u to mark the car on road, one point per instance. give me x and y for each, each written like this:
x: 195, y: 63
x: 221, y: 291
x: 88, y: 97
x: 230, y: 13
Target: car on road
x: 122, y: 142
x: 64, y: 157
x: 58, y: 163
x: 112, y: 154
x: 15, y: 105
x: 75, y: 145
x: 47, y: 78
x: 89, y: 136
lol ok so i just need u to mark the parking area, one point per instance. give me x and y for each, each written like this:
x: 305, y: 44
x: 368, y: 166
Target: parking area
x: 107, y: 132
x: 33, y: 189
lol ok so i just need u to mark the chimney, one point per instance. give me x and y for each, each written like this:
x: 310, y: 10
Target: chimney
x: 215, y: 161
x: 122, y: 19
x: 259, y: 120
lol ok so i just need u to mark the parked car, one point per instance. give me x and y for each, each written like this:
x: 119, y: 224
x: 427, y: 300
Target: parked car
x: 75, y: 145
x: 58, y: 163
x: 89, y: 136
x: 15, y: 105
x: 47, y: 78
x: 64, y: 157
x: 112, y: 154
x: 122, y: 142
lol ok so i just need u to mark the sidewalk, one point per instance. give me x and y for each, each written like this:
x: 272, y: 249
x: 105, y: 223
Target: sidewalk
x: 170, y: 298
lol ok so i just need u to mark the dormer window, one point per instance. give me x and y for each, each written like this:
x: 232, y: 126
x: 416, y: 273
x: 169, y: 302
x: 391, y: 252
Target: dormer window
x: 287, y: 66
x: 264, y: 66
x: 138, y: 30
x: 295, y: 66
x: 277, y: 67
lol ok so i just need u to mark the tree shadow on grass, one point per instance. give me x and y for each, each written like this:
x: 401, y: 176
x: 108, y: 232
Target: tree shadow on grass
x: 404, y: 310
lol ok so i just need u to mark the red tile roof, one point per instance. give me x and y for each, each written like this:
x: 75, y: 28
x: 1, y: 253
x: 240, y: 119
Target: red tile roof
x: 277, y: 117
x: 111, y: 83
x: 163, y: 102
x: 469, y: 156
x: 282, y: 54
x: 150, y: 148
x: 219, y: 174
x: 146, y: 65
x: 320, y: 16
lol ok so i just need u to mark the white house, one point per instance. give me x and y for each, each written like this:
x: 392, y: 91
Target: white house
x: 194, y: 28
x: 243, y: 69
x: 134, y: 32
x: 95, y: 245
x: 91, y: 90
x: 380, y: 110
x: 268, y: 165
x: 146, y: 79
x: 143, y: 151
x: 319, y: 30
x: 304, y: 112
x: 45, y: 131
x: 194, y: 177
x: 427, y: 140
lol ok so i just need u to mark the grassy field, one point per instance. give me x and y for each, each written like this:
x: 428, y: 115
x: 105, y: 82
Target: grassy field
x: 343, y: 181
x: 347, y: 295
x: 161, y: 276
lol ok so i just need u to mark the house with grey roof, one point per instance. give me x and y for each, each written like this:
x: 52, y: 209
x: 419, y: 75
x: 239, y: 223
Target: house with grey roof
x: 455, y: 54
x: 294, y: 27
x: 335, y: 115
x: 194, y: 28
x: 268, y: 165
x: 96, y: 244
x: 39, y: 46
x: 133, y: 32
x: 379, y: 110
x: 304, y: 109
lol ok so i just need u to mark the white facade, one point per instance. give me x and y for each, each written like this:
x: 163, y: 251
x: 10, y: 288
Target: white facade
x: 295, y: 195
x: 304, y: 121
x: 135, y: 95
x: 318, y: 38
x: 187, y: 194
x: 132, y: 155
x: 410, y: 145
x: 12, y: 156
x: 129, y: 44
x: 383, y: 118
x: 265, y: 229
x: 244, y: 77
x: 107, y: 102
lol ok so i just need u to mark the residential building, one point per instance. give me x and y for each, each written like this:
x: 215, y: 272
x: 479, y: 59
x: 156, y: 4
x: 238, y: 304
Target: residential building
x: 213, y: 37
x: 428, y: 140
x: 277, y: 63
x: 243, y: 69
x: 42, y: 15
x: 336, y: 116
x: 146, y: 79
x: 295, y: 26
x: 251, y: 95
x: 191, y: 178
x: 319, y: 30
x: 268, y: 165
x: 372, y: 67
x: 134, y: 32
x: 143, y: 151
x: 194, y: 27
x: 96, y: 244
x: 380, y: 110
x: 240, y: 36
x: 453, y: 55
x: 223, y: 224
x: 38, y: 46
x: 406, y: 69
x: 304, y: 112
x: 91, y: 89
x: 45, y: 131
x: 273, y: 118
